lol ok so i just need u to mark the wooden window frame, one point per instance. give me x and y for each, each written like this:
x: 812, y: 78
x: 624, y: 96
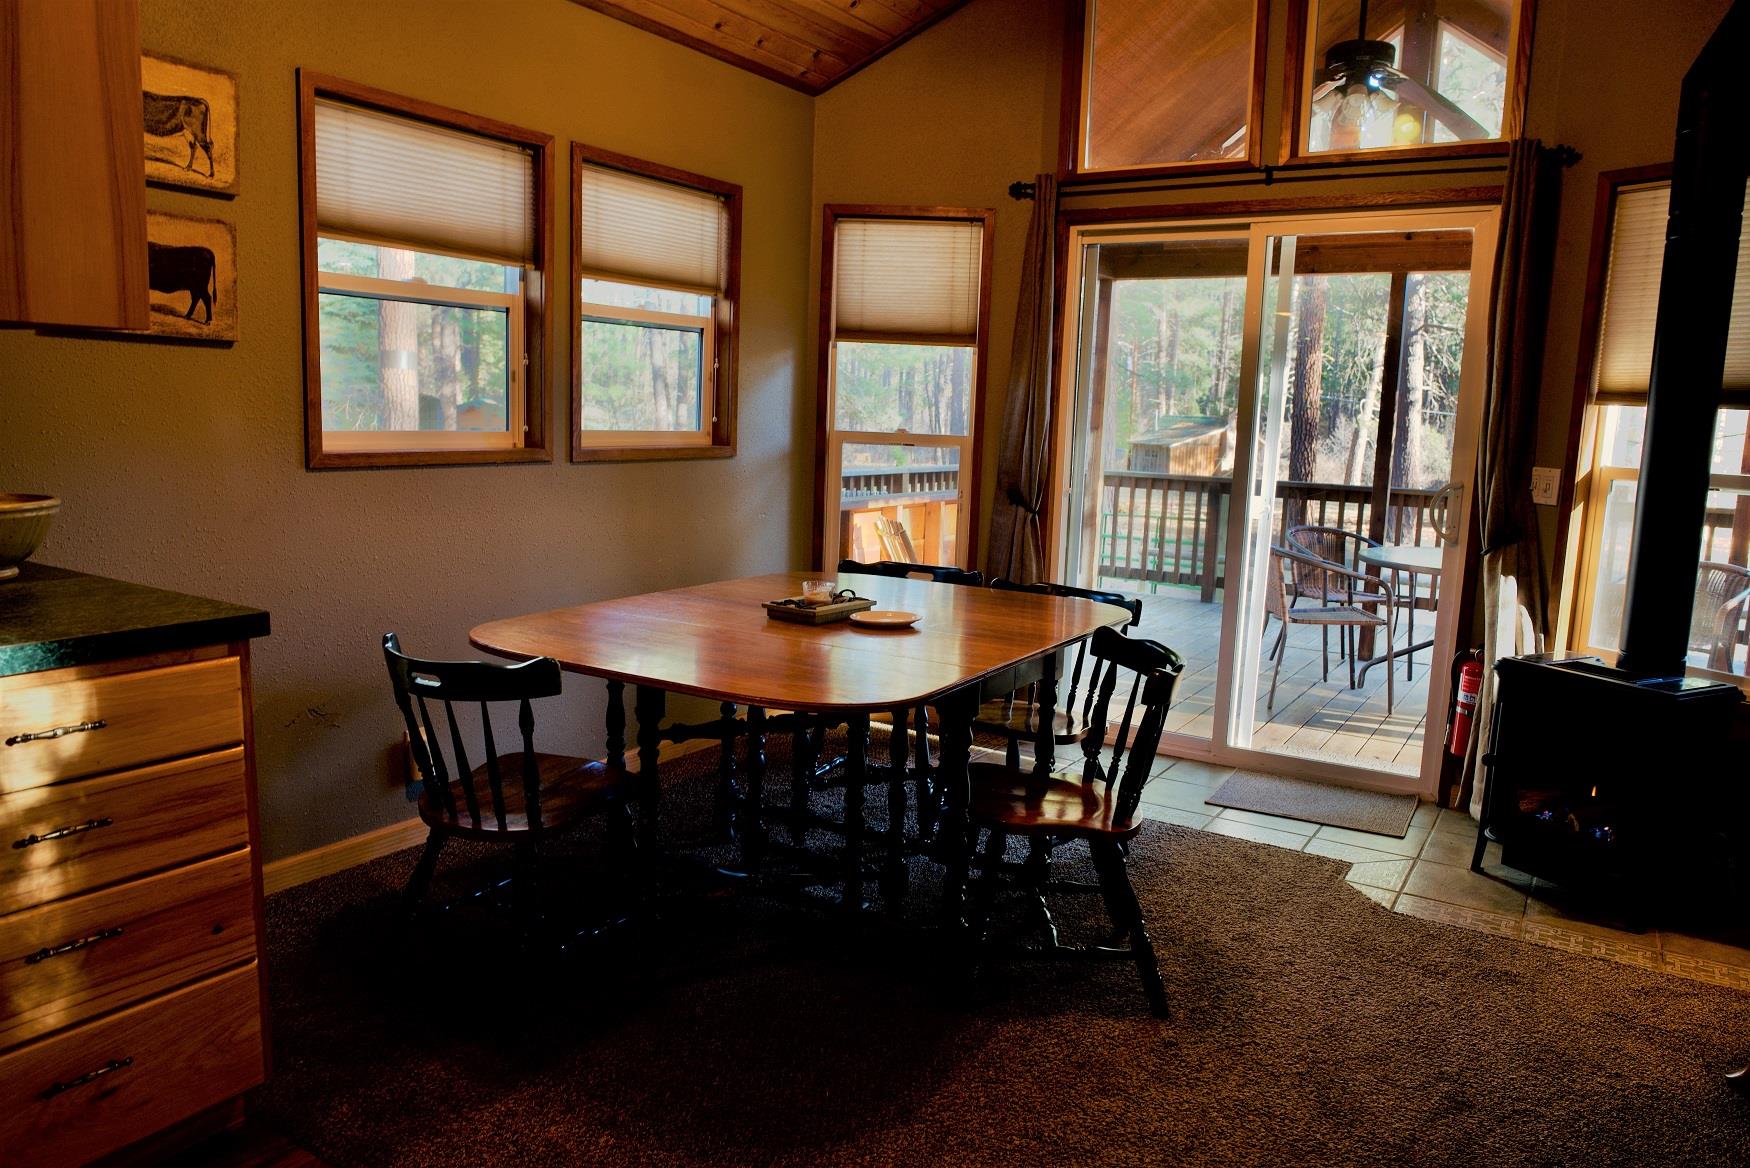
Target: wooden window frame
x: 831, y: 213
x: 529, y: 391
x: 1297, y: 99
x: 721, y: 348
x: 1586, y: 484
x: 1574, y: 497
x: 1078, y: 48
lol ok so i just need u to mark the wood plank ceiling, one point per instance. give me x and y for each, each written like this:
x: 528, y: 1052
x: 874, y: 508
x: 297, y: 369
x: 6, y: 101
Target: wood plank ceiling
x: 809, y: 45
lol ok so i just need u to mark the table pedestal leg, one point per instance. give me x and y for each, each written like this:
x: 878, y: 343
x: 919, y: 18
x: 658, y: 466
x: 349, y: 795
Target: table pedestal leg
x: 752, y: 829
x: 620, y: 828
x: 893, y: 876
x: 728, y: 787
x: 803, y: 752
x: 649, y: 707
x: 1045, y: 740
x: 954, y: 781
x: 856, y: 775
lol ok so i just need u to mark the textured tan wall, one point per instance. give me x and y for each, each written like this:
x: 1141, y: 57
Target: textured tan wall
x: 183, y: 466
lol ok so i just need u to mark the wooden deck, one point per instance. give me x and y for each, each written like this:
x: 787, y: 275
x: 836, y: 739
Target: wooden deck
x: 1313, y: 718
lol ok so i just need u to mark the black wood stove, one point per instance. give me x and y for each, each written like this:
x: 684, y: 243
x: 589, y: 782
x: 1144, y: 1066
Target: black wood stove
x: 1604, y: 780
x: 1623, y: 777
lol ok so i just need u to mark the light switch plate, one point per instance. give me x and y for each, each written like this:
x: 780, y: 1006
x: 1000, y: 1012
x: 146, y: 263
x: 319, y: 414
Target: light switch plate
x: 1545, y: 482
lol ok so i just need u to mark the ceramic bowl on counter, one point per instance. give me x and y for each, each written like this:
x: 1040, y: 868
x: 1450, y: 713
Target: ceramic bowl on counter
x: 24, y: 521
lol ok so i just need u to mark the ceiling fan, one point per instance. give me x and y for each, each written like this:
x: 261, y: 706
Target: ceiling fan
x: 1363, y: 91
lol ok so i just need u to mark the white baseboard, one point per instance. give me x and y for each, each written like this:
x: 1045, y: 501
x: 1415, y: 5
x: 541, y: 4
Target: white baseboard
x: 279, y: 875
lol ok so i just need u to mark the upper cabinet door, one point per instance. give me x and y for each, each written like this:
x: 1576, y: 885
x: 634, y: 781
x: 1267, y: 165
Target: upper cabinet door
x: 1168, y: 86
x: 72, y: 171
x: 1397, y: 77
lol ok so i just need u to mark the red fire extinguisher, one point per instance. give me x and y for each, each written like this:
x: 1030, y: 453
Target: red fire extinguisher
x: 1464, y: 702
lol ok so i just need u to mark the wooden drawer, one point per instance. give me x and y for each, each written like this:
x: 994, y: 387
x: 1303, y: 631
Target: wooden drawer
x: 118, y: 827
x: 65, y: 962
x: 146, y: 715
x: 90, y: 1090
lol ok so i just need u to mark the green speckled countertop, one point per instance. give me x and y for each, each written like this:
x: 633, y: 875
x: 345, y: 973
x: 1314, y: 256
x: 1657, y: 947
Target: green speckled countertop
x: 52, y: 617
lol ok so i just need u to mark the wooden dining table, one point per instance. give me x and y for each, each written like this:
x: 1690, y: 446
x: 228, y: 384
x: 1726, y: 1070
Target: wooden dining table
x: 716, y: 641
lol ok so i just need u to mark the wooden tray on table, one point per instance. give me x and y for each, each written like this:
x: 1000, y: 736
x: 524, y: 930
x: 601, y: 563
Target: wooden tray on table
x: 795, y: 609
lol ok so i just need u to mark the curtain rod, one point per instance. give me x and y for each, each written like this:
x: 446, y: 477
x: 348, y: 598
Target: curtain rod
x: 1269, y: 176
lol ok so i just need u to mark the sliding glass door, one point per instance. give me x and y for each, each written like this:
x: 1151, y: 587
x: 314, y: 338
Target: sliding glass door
x: 1154, y: 439
x: 1269, y: 439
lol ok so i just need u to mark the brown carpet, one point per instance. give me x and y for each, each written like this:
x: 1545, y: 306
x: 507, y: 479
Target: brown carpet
x: 1312, y: 802
x: 1311, y: 1026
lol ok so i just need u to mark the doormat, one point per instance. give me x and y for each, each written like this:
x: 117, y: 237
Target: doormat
x: 1373, y: 811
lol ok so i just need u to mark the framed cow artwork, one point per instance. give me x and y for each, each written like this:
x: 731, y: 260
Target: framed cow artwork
x: 191, y: 125
x: 191, y: 265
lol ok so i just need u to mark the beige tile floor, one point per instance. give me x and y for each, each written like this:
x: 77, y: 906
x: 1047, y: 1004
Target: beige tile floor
x: 1427, y: 874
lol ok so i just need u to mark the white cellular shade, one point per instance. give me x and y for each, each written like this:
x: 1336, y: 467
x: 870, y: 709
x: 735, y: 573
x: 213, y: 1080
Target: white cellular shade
x: 401, y: 181
x: 908, y: 279
x: 640, y: 230
x: 1631, y: 298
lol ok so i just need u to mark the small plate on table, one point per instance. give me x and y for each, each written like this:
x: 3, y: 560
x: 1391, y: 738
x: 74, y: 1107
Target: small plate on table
x: 885, y: 619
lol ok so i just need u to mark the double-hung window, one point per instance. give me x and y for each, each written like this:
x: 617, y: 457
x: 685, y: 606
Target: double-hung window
x: 1619, y: 358
x: 656, y: 275
x: 903, y: 337
x: 425, y: 256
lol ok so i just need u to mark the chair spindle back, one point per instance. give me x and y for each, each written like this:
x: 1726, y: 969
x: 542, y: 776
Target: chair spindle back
x: 897, y: 570
x: 1154, y: 671
x: 1132, y: 605
x: 417, y: 683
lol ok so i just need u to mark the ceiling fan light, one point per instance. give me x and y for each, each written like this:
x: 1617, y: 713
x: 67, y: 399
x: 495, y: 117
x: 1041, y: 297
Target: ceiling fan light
x: 1355, y: 59
x: 1362, y: 118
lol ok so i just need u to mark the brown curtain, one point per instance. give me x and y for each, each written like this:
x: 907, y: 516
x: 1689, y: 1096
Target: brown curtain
x: 1513, y: 583
x: 1017, y: 543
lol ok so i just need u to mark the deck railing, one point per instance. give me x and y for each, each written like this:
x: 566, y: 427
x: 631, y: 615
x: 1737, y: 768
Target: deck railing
x: 859, y: 485
x: 1157, y: 527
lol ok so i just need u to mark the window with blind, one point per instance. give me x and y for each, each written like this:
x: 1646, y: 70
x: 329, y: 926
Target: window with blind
x: 425, y: 241
x: 1620, y: 360
x: 902, y: 363
x: 656, y: 269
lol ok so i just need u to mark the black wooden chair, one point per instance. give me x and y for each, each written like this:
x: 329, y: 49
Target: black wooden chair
x: 1102, y: 808
x: 518, y: 799
x: 928, y: 797
x: 899, y: 570
x: 1018, y: 721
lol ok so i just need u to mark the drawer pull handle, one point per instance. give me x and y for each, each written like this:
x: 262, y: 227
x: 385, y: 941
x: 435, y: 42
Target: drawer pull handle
x: 57, y: 732
x: 62, y: 832
x: 109, y: 1068
x: 72, y: 946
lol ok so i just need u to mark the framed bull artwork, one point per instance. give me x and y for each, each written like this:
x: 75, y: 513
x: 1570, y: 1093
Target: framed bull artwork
x: 191, y: 265
x: 191, y: 125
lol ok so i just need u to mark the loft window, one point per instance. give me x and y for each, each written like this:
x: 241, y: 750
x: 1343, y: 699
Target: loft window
x: 1436, y: 76
x: 1168, y: 85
